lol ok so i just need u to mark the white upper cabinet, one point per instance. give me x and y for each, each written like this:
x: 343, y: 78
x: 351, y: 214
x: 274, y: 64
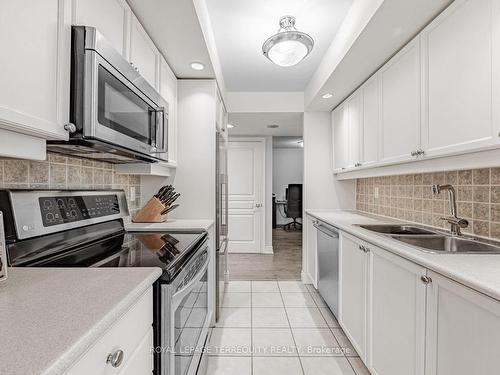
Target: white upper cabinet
x: 340, y: 133
x: 462, y: 330
x: 457, y: 67
x: 370, y: 132
x: 110, y: 17
x: 144, y: 55
x: 353, y: 291
x: 35, y: 65
x: 168, y: 89
x: 354, y: 107
x: 400, y: 104
x: 396, y: 310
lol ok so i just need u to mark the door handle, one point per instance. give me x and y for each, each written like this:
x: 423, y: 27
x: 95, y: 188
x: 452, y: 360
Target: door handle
x: 258, y: 205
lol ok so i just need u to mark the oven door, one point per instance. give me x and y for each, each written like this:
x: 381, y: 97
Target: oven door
x: 188, y: 324
x: 117, y: 112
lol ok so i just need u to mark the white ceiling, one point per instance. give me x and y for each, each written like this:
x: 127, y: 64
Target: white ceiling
x: 241, y: 26
x: 290, y: 124
x: 174, y: 27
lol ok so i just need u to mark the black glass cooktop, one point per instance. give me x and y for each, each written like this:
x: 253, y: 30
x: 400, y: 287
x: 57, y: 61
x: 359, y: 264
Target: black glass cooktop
x: 108, y: 245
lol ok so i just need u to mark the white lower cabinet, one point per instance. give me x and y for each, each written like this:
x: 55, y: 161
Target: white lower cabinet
x: 131, y: 337
x: 463, y: 330
x: 396, y: 315
x: 353, y: 291
x: 405, y: 319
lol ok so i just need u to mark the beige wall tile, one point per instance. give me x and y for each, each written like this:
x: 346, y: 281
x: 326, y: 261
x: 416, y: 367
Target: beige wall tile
x: 481, y: 176
x: 39, y: 172
x: 465, y: 177
x: 16, y: 171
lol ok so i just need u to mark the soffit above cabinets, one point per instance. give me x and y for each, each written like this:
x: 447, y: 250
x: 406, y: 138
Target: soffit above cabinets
x: 175, y: 29
x: 352, y: 59
x: 289, y: 123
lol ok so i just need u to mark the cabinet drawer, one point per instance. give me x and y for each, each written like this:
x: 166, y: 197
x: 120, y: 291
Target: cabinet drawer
x: 126, y: 335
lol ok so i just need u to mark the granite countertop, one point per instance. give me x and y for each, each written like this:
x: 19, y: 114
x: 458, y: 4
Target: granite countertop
x: 49, y: 317
x: 171, y: 224
x: 477, y: 271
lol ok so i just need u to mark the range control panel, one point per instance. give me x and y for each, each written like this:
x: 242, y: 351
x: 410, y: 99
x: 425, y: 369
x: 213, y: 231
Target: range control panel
x: 69, y: 209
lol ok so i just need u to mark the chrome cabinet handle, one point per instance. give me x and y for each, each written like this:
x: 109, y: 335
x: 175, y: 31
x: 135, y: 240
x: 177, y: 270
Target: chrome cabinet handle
x: 414, y: 153
x: 70, y: 127
x: 420, y: 152
x: 357, y: 165
x: 426, y: 279
x: 115, y: 359
x: 364, y: 249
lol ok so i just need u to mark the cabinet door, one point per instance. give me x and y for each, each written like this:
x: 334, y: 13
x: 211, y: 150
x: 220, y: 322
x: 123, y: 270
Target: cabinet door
x: 340, y: 138
x: 143, y: 53
x: 168, y: 89
x: 35, y: 63
x: 370, y: 130
x: 400, y: 107
x: 462, y: 330
x: 457, y: 51
x: 354, y: 117
x: 110, y: 17
x: 353, y: 291
x: 396, y: 315
x: 141, y: 361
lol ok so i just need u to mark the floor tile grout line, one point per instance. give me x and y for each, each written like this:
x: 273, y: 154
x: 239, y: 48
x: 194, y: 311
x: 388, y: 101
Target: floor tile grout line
x: 291, y: 332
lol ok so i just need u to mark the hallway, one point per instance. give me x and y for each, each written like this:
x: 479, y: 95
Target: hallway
x: 284, y: 264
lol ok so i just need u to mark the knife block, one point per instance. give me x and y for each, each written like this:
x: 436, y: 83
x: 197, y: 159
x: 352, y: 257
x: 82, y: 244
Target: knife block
x: 151, y: 212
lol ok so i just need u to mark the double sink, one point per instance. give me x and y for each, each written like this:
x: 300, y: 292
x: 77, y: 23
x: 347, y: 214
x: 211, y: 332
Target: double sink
x: 434, y: 241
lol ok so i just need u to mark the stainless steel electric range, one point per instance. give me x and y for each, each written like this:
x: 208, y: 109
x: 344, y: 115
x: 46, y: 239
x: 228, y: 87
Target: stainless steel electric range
x: 86, y: 229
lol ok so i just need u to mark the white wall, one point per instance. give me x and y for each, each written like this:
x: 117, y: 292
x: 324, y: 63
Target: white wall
x: 321, y: 189
x: 195, y: 176
x: 288, y: 168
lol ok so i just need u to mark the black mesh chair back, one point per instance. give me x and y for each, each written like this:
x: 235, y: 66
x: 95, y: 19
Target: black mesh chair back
x: 293, y: 208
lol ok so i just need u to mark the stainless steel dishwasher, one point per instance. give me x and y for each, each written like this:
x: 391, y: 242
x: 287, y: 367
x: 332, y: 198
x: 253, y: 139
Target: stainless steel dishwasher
x: 328, y: 264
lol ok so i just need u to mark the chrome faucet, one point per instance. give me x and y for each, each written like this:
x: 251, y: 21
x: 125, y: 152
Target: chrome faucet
x: 456, y: 223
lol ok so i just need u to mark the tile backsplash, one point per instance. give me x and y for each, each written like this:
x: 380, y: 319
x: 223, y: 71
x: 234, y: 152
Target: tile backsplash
x: 62, y: 172
x: 409, y: 197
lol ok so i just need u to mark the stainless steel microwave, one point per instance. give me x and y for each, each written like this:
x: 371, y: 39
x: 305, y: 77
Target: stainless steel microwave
x: 115, y: 114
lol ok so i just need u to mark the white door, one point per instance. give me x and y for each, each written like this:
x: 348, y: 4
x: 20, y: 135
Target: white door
x: 353, y: 291
x: 340, y: 138
x: 143, y: 53
x: 110, y: 17
x: 400, y: 96
x: 396, y: 315
x: 246, y: 192
x: 457, y: 51
x: 370, y: 124
x: 354, y: 116
x: 462, y: 330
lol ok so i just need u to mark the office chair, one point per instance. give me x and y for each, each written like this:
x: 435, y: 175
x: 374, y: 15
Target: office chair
x: 293, y: 207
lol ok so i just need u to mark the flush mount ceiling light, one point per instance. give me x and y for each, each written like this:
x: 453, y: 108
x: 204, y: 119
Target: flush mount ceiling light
x: 197, y: 66
x: 230, y: 126
x: 288, y: 46
x: 327, y: 96
x: 273, y: 126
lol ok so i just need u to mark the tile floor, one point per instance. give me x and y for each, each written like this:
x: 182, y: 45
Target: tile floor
x: 279, y: 327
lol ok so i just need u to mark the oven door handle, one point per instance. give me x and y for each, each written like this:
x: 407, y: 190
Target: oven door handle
x: 179, y: 296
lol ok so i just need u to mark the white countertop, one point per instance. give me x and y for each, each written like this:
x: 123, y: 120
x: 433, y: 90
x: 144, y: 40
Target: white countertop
x: 478, y: 271
x: 49, y: 317
x: 171, y: 224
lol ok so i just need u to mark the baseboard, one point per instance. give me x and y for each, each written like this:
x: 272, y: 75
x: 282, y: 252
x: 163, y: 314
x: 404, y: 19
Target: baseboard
x: 268, y: 249
x: 306, y: 278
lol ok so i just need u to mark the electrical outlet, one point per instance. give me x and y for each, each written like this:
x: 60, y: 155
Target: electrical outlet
x: 376, y: 192
x: 132, y: 194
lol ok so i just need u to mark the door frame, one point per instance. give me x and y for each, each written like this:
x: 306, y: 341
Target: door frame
x: 240, y: 138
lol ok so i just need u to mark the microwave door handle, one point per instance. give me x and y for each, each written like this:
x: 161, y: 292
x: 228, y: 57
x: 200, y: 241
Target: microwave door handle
x: 160, y: 118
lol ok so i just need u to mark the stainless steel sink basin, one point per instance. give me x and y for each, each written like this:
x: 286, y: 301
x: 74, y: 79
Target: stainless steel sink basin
x: 449, y: 244
x: 397, y: 229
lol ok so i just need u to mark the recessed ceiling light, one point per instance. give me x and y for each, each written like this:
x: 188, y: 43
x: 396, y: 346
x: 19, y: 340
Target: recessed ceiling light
x: 327, y: 95
x: 197, y: 66
x: 273, y: 126
x: 288, y: 46
x: 230, y: 126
